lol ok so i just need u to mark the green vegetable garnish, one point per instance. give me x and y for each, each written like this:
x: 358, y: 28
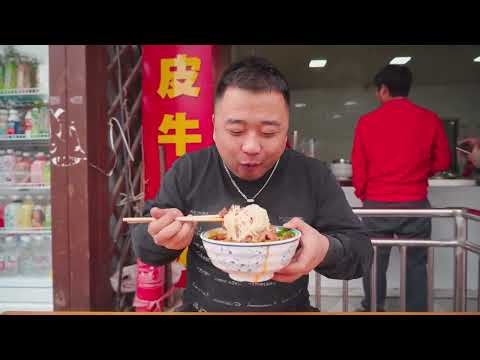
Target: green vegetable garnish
x: 282, y: 232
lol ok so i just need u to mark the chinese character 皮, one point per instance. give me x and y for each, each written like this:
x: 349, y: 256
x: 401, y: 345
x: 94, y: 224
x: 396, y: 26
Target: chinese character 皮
x: 180, y: 81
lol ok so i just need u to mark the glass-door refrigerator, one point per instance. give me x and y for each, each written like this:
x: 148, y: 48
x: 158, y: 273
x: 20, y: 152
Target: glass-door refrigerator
x: 25, y: 205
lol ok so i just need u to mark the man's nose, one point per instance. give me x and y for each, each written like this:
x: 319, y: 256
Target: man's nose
x: 251, y: 145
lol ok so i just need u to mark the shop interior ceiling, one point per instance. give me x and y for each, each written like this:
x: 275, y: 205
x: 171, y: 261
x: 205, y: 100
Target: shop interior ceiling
x: 355, y: 65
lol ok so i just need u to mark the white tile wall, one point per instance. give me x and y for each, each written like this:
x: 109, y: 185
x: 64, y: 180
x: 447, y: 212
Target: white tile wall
x: 332, y: 123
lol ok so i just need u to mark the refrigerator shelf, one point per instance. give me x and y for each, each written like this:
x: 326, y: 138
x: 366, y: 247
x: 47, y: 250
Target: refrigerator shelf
x: 19, y: 281
x: 20, y: 92
x: 24, y: 187
x: 25, y: 138
x: 30, y: 231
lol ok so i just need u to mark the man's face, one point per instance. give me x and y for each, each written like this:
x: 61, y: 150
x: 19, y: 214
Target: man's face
x: 250, y: 130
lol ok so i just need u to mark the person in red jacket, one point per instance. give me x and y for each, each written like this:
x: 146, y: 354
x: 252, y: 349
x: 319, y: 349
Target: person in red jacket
x: 396, y: 148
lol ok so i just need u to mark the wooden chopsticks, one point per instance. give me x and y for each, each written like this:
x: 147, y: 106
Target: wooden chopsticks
x: 189, y: 218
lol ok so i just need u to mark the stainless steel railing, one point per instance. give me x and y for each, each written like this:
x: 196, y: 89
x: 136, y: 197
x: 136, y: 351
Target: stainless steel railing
x: 460, y: 245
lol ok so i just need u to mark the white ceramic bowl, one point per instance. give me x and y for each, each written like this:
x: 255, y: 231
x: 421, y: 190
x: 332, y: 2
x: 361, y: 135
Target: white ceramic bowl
x: 253, y: 262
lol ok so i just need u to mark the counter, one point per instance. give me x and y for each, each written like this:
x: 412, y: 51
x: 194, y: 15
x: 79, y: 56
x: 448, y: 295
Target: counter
x: 441, y: 195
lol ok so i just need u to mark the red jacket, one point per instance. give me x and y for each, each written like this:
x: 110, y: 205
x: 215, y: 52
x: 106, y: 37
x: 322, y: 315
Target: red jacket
x: 396, y: 148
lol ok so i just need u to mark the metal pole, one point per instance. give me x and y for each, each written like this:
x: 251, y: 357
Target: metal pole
x: 430, y: 274
x: 418, y: 242
x: 373, y: 282
x: 478, y: 286
x: 318, y: 285
x: 454, y: 305
x: 406, y: 212
x: 460, y: 256
x: 403, y: 275
x: 345, y: 296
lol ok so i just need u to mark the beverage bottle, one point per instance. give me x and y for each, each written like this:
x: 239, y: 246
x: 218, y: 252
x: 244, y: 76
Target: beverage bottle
x: 3, y: 256
x: 9, y: 162
x: 3, y: 121
x: 37, y: 169
x: 38, y: 213
x: 11, y: 212
x: 12, y: 121
x: 28, y: 158
x: 11, y: 256
x: 28, y: 124
x: 3, y: 203
x: 2, y: 167
x: 25, y: 256
x: 2, y: 73
x: 22, y: 168
x: 23, y: 73
x: 48, y: 215
x: 26, y: 211
x: 17, y: 175
x: 18, y: 124
x: 41, y: 254
x: 11, y: 72
x: 44, y: 120
x: 35, y: 113
x: 34, y: 74
x: 46, y: 171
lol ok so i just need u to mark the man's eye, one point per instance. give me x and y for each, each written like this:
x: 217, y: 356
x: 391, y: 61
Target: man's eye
x: 236, y: 132
x: 269, y: 134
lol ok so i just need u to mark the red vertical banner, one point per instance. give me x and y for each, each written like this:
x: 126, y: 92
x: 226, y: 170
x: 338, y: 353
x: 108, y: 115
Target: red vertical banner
x: 177, y: 105
x: 177, y: 109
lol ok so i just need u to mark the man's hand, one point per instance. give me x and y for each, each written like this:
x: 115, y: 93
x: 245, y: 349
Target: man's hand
x: 308, y: 257
x: 168, y: 232
x: 474, y: 156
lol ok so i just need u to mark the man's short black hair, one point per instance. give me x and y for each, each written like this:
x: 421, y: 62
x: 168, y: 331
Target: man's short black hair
x: 254, y: 74
x: 397, y: 78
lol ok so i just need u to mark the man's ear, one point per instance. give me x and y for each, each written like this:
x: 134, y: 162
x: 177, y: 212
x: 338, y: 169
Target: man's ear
x: 384, y: 91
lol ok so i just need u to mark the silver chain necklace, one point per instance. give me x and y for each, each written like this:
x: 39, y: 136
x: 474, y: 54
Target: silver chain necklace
x: 259, y: 191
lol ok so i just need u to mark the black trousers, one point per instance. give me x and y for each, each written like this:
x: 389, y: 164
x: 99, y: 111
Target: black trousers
x: 416, y: 272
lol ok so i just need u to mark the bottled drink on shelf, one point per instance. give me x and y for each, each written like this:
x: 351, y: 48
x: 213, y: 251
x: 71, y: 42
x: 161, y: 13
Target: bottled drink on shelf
x: 28, y: 124
x: 11, y: 71
x: 44, y: 120
x: 46, y: 171
x: 28, y: 165
x: 22, y: 168
x: 37, y: 169
x: 41, y: 251
x: 13, y: 122
x: 12, y: 211
x: 9, y: 161
x: 38, y: 213
x: 48, y: 215
x: 26, y: 212
x: 35, y: 121
x: 3, y: 203
x: 2, y: 72
x: 24, y: 68
x: 25, y: 256
x: 3, y: 121
x: 3, y: 256
x: 18, y: 123
x: 2, y: 166
x: 11, y: 256
x: 34, y: 74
